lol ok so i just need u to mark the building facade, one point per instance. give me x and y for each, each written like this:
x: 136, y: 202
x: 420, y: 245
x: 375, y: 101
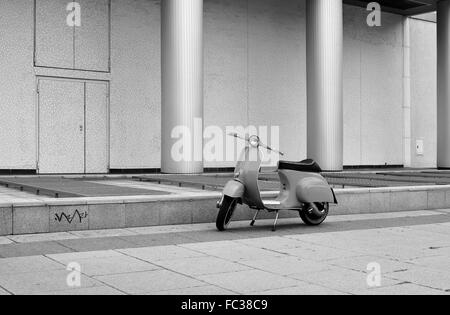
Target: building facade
x: 100, y: 94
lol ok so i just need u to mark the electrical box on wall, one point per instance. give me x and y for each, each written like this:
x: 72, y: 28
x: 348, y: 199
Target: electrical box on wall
x: 420, y: 147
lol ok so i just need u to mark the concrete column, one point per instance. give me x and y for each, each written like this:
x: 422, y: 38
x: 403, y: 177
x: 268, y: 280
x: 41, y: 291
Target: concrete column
x: 443, y: 84
x: 325, y: 82
x: 182, y: 86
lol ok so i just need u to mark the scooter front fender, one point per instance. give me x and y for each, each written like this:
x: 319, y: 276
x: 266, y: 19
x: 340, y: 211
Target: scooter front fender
x: 234, y: 189
x: 313, y: 189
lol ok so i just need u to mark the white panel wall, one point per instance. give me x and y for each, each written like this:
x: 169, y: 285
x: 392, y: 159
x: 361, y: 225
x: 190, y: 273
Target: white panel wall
x: 91, y: 40
x: 136, y: 84
x: 258, y: 63
x: 255, y: 68
x: 226, y: 66
x: 373, y: 88
x: 277, y: 71
x: 54, y: 37
x: 17, y: 86
x: 423, y: 91
x: 255, y: 73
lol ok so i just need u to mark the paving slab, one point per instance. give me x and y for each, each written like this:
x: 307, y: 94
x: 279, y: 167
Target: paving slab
x: 405, y: 289
x: 318, y: 252
x: 28, y: 264
x: 303, y: 289
x: 38, y: 282
x: 431, y: 278
x: 233, y: 252
x: 32, y: 249
x: 207, y: 290
x: 70, y: 257
x: 102, y: 233
x: 99, y: 266
x: 149, y: 281
x: 435, y: 262
x: 167, y: 253
x: 95, y: 244
x: 201, y: 266
x: 157, y: 239
x: 92, y: 291
x: 285, y: 266
x: 46, y: 237
x: 347, y: 281
x: 438, y: 228
x: 272, y: 243
x: 251, y: 281
x: 361, y: 264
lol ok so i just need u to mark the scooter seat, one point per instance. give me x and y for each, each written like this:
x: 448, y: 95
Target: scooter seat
x: 309, y: 166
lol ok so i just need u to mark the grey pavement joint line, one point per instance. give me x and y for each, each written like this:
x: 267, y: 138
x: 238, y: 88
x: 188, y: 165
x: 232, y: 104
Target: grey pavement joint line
x: 6, y: 290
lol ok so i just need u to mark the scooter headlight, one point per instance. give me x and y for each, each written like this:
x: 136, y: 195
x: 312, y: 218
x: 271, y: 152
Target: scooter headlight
x: 254, y: 141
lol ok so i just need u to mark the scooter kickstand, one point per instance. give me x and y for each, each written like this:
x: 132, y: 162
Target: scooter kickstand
x: 254, y: 218
x: 276, y: 221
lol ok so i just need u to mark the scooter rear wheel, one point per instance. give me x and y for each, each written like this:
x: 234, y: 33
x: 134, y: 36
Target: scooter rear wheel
x: 226, y: 213
x: 312, y: 219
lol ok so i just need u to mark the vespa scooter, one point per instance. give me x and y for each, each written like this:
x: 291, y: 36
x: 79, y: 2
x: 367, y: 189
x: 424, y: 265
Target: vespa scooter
x: 303, y: 189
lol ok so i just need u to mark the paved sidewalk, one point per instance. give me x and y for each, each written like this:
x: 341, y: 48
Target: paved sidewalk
x: 411, y: 250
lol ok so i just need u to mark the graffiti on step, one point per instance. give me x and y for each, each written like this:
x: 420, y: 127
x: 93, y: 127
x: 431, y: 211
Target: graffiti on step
x: 70, y: 218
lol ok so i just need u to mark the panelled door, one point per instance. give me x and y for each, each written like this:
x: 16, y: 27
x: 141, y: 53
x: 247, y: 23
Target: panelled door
x: 73, y: 129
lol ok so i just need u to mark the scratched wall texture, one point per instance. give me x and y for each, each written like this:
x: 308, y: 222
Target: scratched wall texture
x: 254, y: 74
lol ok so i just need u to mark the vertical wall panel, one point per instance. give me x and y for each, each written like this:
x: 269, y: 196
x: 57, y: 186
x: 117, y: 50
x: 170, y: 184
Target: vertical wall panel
x: 92, y: 37
x: 136, y: 84
x: 277, y: 72
x: 423, y: 91
x: 54, y: 37
x: 17, y: 86
x: 96, y: 127
x: 226, y: 67
x: 61, y: 127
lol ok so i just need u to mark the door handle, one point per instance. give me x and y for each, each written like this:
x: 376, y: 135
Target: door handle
x: 81, y: 128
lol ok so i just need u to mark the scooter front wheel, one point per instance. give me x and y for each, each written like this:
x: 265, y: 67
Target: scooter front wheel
x: 226, y: 212
x: 313, y: 219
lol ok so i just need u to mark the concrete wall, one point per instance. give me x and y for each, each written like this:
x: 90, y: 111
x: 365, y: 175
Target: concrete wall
x: 373, y: 85
x: 423, y: 91
x: 255, y: 68
x: 17, y: 86
x: 135, y: 84
x: 255, y: 73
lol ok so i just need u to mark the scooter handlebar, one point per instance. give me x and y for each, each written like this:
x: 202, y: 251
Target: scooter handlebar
x: 270, y: 149
x: 235, y: 135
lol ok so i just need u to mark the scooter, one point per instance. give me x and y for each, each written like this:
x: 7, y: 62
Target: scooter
x: 303, y: 188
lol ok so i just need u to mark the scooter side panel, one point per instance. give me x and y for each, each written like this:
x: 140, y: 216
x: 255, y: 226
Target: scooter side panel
x: 314, y: 189
x: 234, y: 189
